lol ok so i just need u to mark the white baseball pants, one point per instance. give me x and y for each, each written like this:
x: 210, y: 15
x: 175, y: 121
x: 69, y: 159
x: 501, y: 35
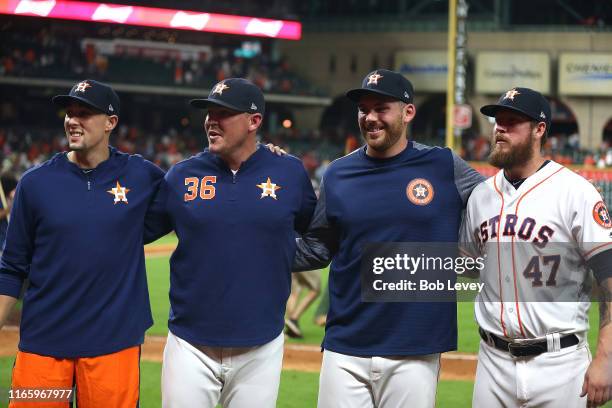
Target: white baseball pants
x: 549, y: 380
x: 382, y: 382
x: 235, y: 377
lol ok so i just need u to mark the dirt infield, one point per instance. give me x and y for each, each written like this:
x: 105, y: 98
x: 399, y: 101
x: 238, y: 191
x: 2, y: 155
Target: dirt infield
x: 455, y: 366
x: 159, y: 250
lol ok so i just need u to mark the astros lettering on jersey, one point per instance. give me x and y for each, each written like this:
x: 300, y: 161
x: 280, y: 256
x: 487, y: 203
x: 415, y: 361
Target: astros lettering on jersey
x: 537, y: 239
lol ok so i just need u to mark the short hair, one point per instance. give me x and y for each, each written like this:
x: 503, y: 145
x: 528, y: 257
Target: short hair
x: 534, y: 124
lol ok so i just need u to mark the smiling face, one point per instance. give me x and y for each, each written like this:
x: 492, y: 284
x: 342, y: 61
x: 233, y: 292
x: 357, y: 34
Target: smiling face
x: 516, y: 139
x: 86, y: 128
x: 383, y: 123
x: 231, y: 134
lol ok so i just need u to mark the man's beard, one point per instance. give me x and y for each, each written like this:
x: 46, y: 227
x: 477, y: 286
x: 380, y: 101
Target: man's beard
x: 392, y: 135
x: 517, y: 156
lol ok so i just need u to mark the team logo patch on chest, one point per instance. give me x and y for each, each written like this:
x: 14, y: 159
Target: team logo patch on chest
x: 420, y: 191
x: 601, y: 215
x: 268, y: 189
x: 120, y: 193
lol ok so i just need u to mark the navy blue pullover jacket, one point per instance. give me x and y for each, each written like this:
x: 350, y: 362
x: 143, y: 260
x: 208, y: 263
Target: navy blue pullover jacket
x: 230, y: 275
x: 78, y: 237
x: 365, y: 200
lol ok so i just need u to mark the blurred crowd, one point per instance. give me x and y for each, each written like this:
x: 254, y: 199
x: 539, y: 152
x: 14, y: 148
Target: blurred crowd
x: 53, y: 52
x: 25, y: 147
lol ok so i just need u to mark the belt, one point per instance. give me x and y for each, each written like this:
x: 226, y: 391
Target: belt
x: 524, y: 350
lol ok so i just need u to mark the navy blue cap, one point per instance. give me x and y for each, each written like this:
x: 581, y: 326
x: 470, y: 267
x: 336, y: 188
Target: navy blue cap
x: 523, y: 100
x: 238, y: 94
x: 93, y: 94
x: 384, y: 82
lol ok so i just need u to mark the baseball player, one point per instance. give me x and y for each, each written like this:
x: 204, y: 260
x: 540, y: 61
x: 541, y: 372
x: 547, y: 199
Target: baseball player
x: 541, y: 227
x: 391, y: 190
x: 235, y: 208
x: 76, y: 232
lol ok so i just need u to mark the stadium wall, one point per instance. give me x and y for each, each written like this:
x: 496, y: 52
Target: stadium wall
x: 355, y: 54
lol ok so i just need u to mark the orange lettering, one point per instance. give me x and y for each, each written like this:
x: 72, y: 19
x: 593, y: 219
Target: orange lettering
x: 207, y: 191
x: 192, y: 189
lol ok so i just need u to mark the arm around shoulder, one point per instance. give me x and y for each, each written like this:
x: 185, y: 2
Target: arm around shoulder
x: 319, y: 243
x: 157, y: 221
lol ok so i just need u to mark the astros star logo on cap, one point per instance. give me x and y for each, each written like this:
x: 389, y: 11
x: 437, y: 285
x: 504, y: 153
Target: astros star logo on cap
x: 511, y: 94
x: 373, y: 79
x: 82, y: 86
x: 219, y: 88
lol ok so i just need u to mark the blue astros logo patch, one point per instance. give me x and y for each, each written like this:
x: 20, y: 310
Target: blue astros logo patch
x: 120, y: 193
x: 268, y: 189
x: 601, y: 215
x: 420, y: 191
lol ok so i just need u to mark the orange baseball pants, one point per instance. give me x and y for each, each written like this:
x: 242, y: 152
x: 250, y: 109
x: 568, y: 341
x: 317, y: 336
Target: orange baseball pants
x: 110, y: 380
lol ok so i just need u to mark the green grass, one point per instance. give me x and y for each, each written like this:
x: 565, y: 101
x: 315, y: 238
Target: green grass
x: 158, y: 277
x: 298, y: 389
x: 150, y: 384
x: 454, y: 394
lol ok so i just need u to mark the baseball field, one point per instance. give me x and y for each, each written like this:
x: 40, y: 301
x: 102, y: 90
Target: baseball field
x: 299, y: 382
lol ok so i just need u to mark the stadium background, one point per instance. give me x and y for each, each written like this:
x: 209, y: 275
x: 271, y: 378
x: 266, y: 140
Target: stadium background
x: 562, y: 47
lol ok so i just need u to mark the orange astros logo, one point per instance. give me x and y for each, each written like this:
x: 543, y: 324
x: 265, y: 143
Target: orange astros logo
x: 601, y: 215
x: 420, y: 191
x: 268, y: 189
x: 120, y: 193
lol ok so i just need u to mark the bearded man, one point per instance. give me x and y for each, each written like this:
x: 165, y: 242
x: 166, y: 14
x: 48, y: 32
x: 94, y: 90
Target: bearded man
x: 384, y: 354
x: 544, y: 232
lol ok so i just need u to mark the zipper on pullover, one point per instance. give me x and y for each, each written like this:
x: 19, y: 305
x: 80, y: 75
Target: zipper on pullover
x: 87, y: 174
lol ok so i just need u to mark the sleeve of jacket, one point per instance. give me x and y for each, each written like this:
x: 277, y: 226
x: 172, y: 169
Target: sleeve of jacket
x: 18, y: 246
x: 157, y: 220
x: 318, y: 245
x: 309, y: 201
x: 466, y: 178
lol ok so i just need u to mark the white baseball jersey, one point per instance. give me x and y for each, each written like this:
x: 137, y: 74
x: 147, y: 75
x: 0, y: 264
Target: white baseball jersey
x: 536, y: 240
